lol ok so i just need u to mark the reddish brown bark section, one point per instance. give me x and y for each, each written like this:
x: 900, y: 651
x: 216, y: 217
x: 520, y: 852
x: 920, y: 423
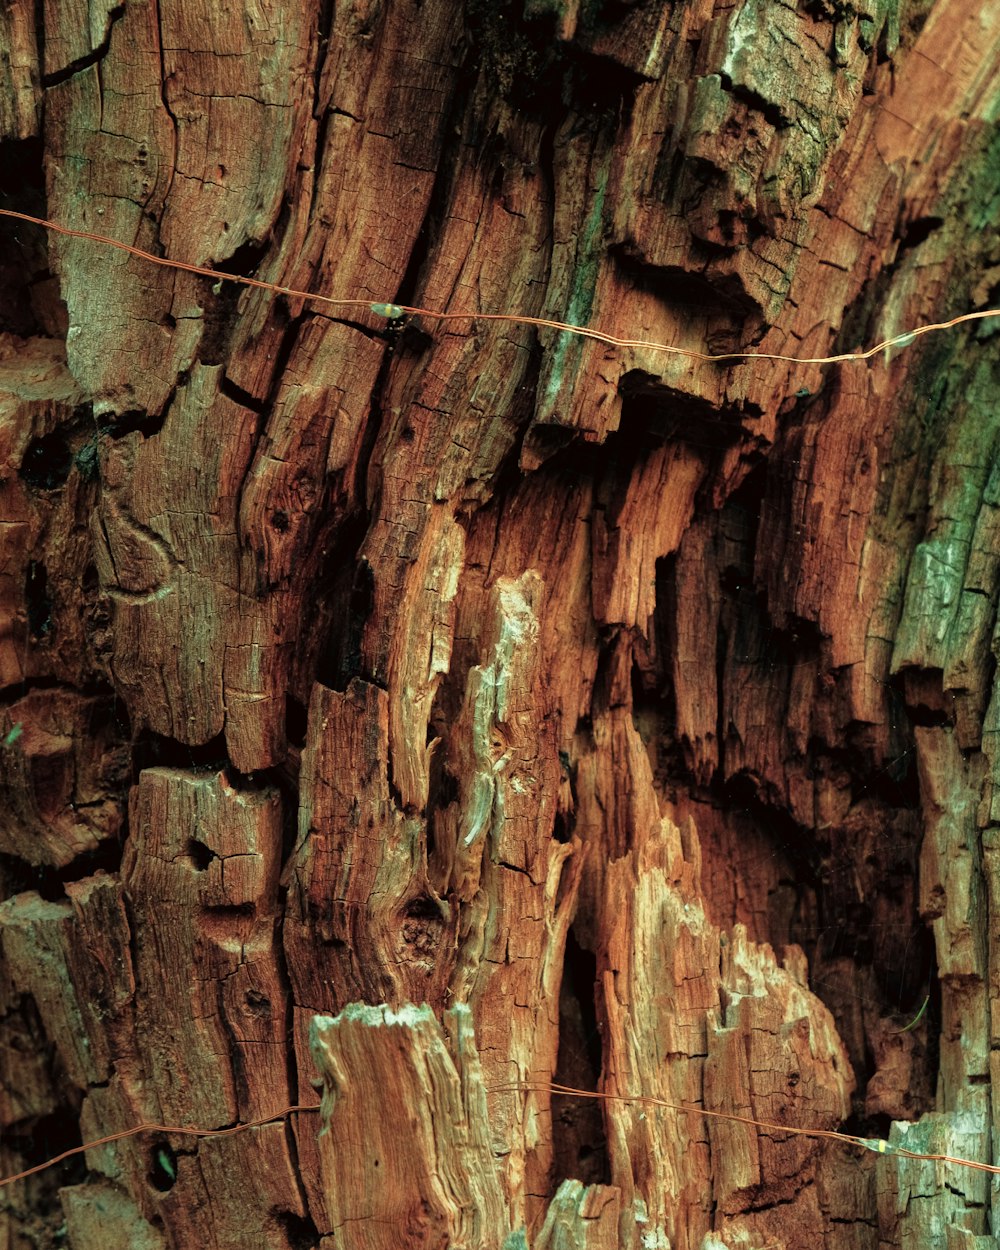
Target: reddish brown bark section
x: 412, y: 712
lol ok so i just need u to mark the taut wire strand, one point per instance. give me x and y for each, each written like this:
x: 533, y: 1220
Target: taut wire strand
x: 875, y: 1144
x: 217, y: 275
x: 154, y: 1128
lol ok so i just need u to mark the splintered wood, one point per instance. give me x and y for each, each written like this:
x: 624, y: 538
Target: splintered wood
x: 444, y: 708
x: 423, y: 1169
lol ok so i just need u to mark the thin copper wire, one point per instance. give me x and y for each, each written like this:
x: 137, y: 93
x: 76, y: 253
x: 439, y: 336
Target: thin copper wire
x: 154, y: 1128
x: 552, y: 1087
x: 897, y: 340
x: 537, y: 1087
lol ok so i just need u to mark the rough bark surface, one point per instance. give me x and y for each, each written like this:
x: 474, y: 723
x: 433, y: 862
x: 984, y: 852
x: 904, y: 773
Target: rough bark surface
x: 413, y: 712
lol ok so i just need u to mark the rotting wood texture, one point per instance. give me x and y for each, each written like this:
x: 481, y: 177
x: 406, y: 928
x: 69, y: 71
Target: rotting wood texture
x: 404, y: 713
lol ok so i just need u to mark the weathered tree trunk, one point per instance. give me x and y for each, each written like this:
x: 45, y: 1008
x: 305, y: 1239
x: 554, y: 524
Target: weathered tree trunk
x: 418, y: 712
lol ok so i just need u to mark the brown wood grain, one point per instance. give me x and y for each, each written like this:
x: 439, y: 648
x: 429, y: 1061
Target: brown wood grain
x: 415, y: 713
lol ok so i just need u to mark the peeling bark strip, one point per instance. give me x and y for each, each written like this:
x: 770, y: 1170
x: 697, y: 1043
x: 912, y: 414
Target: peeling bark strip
x: 449, y: 709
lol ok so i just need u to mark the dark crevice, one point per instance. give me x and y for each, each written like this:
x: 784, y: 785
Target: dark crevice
x: 440, y: 196
x: 18, y: 877
x: 914, y: 18
x: 894, y: 784
x: 162, y: 1171
x: 286, y: 347
x: 742, y: 793
x: 42, y: 1138
x: 928, y: 704
x: 285, y: 779
x: 664, y: 638
x: 223, y: 1016
x: 326, y: 11
x: 238, y: 395
x: 232, y: 912
x: 644, y: 696
x: 18, y: 689
x: 602, y: 699
x: 516, y: 59
x: 768, y: 110
x: 296, y: 720
x: 654, y: 413
x: 877, y: 1126
x: 38, y: 601
x: 765, y: 1197
x: 299, y: 1231
x: 134, y: 421
x: 924, y: 717
x: 259, y: 780
x: 347, y: 575
x: 48, y: 881
x: 562, y: 828
x: 265, y: 407
x: 861, y: 314
x: 520, y: 59
x: 289, y: 788
x: 39, y: 29
x: 600, y: 89
x: 47, y: 462
x: 220, y: 317
x: 725, y: 297
x: 540, y: 445
x: 579, y: 1146
x: 906, y: 983
x: 748, y: 497
x: 200, y: 856
x: 90, y: 58
x: 424, y: 908
x: 395, y: 794
x: 502, y: 863
x: 24, y: 255
x: 797, y: 640
x: 397, y: 331
x: 352, y: 585
x: 243, y: 261
x: 153, y: 750
x: 220, y: 307
x: 105, y: 857
x: 846, y: 890
x: 539, y: 74
x: 509, y: 474
x: 443, y: 787
x: 918, y: 231
x: 322, y: 133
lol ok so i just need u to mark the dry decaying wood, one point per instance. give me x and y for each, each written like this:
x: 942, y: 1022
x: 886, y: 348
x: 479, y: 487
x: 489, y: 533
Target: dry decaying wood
x: 422, y: 712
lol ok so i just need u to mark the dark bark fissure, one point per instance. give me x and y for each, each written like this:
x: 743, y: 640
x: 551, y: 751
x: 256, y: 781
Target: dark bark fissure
x: 579, y: 1145
x: 24, y: 264
x: 94, y: 57
x: 49, y: 1136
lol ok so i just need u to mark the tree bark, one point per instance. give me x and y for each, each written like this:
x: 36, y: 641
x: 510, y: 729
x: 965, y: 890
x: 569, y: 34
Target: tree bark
x: 398, y: 715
